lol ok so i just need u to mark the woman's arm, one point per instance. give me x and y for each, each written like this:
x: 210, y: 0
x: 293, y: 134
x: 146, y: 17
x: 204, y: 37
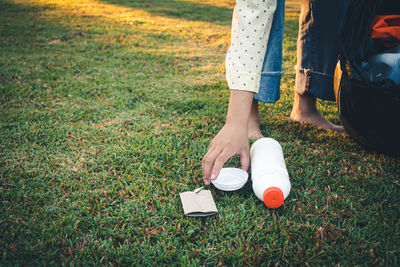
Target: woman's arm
x: 232, y: 139
x: 251, y: 25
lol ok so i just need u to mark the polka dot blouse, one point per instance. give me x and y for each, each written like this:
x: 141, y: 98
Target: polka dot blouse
x: 251, y: 25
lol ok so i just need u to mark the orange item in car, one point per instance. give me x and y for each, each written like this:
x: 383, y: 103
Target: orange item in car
x: 387, y: 29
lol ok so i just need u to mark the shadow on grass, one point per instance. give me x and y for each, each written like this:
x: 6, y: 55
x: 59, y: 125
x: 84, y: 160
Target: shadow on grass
x: 181, y: 10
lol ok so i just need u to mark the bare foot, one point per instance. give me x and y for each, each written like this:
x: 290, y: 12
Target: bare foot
x: 254, y: 131
x: 305, y: 111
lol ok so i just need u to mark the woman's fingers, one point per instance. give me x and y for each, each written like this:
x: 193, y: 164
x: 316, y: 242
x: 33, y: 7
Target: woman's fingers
x: 208, y: 162
x: 224, y: 156
x: 219, y: 163
x: 231, y: 140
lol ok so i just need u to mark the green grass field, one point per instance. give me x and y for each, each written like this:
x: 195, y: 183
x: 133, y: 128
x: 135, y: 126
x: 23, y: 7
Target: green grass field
x: 107, y: 108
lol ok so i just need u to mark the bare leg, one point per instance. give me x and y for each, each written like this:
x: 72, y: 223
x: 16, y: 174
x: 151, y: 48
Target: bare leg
x: 305, y: 111
x: 254, y: 131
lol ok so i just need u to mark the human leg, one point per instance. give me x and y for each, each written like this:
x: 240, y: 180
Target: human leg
x: 305, y: 111
x: 253, y: 129
x: 317, y: 50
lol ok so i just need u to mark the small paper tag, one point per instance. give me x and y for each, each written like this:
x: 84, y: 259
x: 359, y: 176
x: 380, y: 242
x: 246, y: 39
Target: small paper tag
x: 198, y: 204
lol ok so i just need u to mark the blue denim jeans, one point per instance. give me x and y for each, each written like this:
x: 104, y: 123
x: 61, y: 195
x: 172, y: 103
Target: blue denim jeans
x: 271, y: 72
x: 317, y: 50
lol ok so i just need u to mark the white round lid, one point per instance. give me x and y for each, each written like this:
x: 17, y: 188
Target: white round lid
x: 230, y: 179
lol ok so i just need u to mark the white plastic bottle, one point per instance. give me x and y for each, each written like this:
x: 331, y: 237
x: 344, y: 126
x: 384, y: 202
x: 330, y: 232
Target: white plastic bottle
x: 268, y: 172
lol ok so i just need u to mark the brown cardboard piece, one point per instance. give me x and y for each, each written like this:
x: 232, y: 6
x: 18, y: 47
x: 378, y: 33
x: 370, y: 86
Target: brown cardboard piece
x: 198, y: 203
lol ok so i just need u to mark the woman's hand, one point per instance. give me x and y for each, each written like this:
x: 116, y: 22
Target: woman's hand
x: 232, y: 139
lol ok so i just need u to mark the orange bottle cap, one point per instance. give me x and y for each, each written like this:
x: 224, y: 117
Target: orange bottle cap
x: 273, y: 197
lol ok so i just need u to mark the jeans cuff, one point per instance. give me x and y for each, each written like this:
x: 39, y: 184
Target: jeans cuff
x: 315, y: 83
x: 269, y: 87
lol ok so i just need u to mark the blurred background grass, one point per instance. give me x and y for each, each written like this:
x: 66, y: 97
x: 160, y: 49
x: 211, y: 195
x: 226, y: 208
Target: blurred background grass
x: 107, y: 108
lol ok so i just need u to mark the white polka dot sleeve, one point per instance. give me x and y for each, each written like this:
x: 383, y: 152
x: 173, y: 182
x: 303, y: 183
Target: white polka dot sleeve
x: 251, y: 25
